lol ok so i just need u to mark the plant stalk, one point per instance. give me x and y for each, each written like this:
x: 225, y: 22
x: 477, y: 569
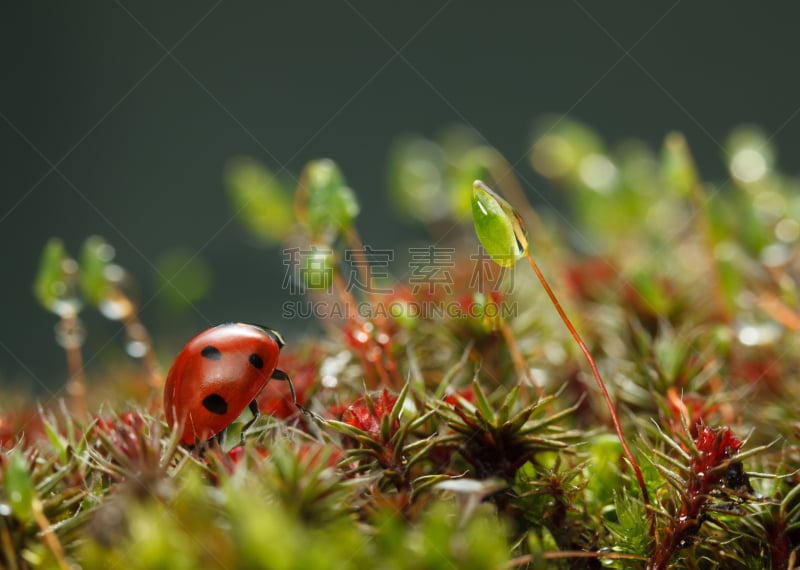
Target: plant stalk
x: 516, y: 356
x: 76, y: 384
x: 611, y: 408
x: 49, y: 537
x: 700, y: 203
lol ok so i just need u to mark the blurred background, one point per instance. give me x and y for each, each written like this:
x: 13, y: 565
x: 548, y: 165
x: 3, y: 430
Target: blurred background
x: 118, y: 119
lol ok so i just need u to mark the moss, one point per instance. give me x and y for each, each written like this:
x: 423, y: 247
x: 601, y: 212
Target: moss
x: 451, y: 437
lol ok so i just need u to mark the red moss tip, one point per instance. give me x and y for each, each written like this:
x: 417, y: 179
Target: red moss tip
x: 367, y: 411
x: 715, y: 447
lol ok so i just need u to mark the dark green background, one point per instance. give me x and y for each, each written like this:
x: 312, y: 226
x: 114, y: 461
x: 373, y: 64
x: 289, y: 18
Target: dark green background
x: 117, y: 118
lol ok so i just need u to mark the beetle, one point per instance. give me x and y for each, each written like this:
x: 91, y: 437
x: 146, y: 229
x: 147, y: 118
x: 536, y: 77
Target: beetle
x: 217, y: 375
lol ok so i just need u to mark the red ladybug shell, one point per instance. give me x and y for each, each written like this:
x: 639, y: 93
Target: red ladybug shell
x: 216, y: 376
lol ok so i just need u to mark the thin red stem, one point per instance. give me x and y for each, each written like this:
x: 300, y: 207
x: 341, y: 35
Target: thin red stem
x: 49, y: 536
x: 611, y: 408
x: 517, y: 358
x: 76, y: 384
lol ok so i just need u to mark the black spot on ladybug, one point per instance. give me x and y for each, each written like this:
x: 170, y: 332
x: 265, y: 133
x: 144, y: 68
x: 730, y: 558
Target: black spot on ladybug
x: 215, y: 404
x: 256, y: 361
x: 211, y: 352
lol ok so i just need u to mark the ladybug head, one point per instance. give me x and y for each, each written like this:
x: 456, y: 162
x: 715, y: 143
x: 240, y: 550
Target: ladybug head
x: 276, y: 336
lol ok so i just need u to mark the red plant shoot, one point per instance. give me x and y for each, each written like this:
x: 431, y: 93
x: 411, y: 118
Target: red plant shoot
x: 710, y: 468
x: 367, y: 412
x: 375, y: 417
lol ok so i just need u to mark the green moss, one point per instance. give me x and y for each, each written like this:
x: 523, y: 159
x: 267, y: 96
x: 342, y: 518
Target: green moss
x: 434, y: 441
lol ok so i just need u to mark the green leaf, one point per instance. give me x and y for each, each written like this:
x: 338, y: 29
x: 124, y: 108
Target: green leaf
x: 385, y: 428
x: 540, y: 542
x: 96, y: 254
x: 677, y: 165
x: 561, y: 147
x: 259, y: 199
x: 751, y: 157
x: 482, y: 402
x: 418, y: 181
x: 605, y: 451
x: 183, y: 278
x: 631, y: 528
x: 60, y: 444
x: 19, y: 487
x: 399, y: 404
x: 52, y: 286
x: 508, y: 405
x: 324, y: 202
x: 500, y: 229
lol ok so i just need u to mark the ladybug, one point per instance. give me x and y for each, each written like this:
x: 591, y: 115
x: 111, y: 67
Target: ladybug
x: 217, y: 375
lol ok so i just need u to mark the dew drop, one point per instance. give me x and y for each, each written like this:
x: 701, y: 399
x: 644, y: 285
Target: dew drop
x: 598, y: 172
x: 70, y: 267
x: 748, y: 165
x: 115, y: 273
x: 70, y: 334
x: 136, y: 348
x: 67, y: 308
x: 787, y: 230
x: 105, y: 252
x: 775, y: 255
x: 555, y: 353
x: 374, y: 354
x: 553, y: 156
x: 760, y: 334
x: 332, y: 367
x: 329, y: 381
x: 116, y: 307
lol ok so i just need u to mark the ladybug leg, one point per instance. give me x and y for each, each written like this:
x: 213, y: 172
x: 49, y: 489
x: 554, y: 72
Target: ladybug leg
x: 253, y: 407
x: 283, y: 377
x: 200, y: 447
x: 220, y: 438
